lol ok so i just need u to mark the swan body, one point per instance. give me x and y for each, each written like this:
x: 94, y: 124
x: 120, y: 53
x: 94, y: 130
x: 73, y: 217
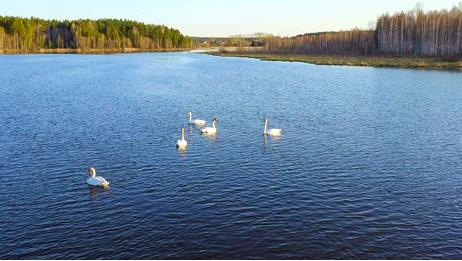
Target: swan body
x: 210, y: 130
x: 271, y: 132
x: 93, y: 180
x: 195, y: 121
x: 182, y: 143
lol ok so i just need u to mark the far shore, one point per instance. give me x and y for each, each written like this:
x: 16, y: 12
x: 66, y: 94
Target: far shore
x: 123, y: 50
x: 255, y: 52
x: 374, y: 61
x: 88, y: 51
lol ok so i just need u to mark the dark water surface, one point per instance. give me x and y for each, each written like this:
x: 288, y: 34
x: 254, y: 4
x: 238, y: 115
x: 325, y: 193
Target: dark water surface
x: 369, y: 164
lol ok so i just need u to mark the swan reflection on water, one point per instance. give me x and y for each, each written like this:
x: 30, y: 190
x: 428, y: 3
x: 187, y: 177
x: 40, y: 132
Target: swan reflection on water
x: 182, y: 152
x: 211, y: 137
x: 95, y: 191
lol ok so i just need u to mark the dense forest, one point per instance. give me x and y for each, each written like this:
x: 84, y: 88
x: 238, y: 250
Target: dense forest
x: 354, y: 42
x: 435, y: 33
x: 27, y: 34
x: 415, y: 33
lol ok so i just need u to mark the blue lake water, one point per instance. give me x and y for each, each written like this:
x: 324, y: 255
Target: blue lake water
x: 369, y: 164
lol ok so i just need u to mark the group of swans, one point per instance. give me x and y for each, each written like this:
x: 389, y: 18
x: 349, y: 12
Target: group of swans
x: 181, y: 143
x: 199, y: 122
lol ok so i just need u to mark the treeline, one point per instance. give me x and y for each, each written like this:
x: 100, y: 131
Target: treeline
x: 435, y: 33
x: 250, y: 40
x: 25, y: 34
x: 354, y: 42
x: 415, y: 33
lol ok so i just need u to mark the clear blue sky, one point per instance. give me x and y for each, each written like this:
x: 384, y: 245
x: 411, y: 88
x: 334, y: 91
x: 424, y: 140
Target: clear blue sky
x: 225, y: 17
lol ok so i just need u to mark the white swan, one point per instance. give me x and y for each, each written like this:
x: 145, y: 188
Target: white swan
x: 271, y: 132
x: 182, y: 143
x: 195, y: 121
x: 210, y: 130
x: 93, y: 180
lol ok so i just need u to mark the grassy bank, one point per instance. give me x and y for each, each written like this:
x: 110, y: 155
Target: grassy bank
x: 402, y: 62
x: 88, y: 51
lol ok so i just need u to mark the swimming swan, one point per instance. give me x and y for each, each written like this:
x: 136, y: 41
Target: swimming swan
x: 210, y: 130
x: 271, y: 132
x: 93, y: 180
x: 196, y: 121
x: 181, y: 143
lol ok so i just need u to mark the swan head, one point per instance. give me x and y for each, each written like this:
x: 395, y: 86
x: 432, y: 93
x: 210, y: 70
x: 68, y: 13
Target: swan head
x: 189, y: 113
x: 215, y: 120
x: 92, y: 172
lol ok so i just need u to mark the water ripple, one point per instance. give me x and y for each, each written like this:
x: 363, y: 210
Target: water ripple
x: 368, y: 166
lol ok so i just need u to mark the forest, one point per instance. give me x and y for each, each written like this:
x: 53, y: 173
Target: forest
x: 26, y: 34
x: 415, y: 33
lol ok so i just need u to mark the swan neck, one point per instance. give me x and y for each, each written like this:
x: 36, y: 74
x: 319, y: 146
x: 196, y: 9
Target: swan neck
x: 266, y: 126
x: 182, y: 133
x: 190, y: 116
x: 213, y: 124
x: 91, y: 172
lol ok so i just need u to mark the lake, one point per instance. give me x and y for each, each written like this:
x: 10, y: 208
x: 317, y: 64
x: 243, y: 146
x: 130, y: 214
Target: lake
x: 369, y: 164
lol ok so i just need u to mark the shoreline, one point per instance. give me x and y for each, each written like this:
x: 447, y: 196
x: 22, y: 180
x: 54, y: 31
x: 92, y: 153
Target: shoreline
x: 364, y: 61
x: 89, y: 51
x: 119, y: 50
x: 372, y: 61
